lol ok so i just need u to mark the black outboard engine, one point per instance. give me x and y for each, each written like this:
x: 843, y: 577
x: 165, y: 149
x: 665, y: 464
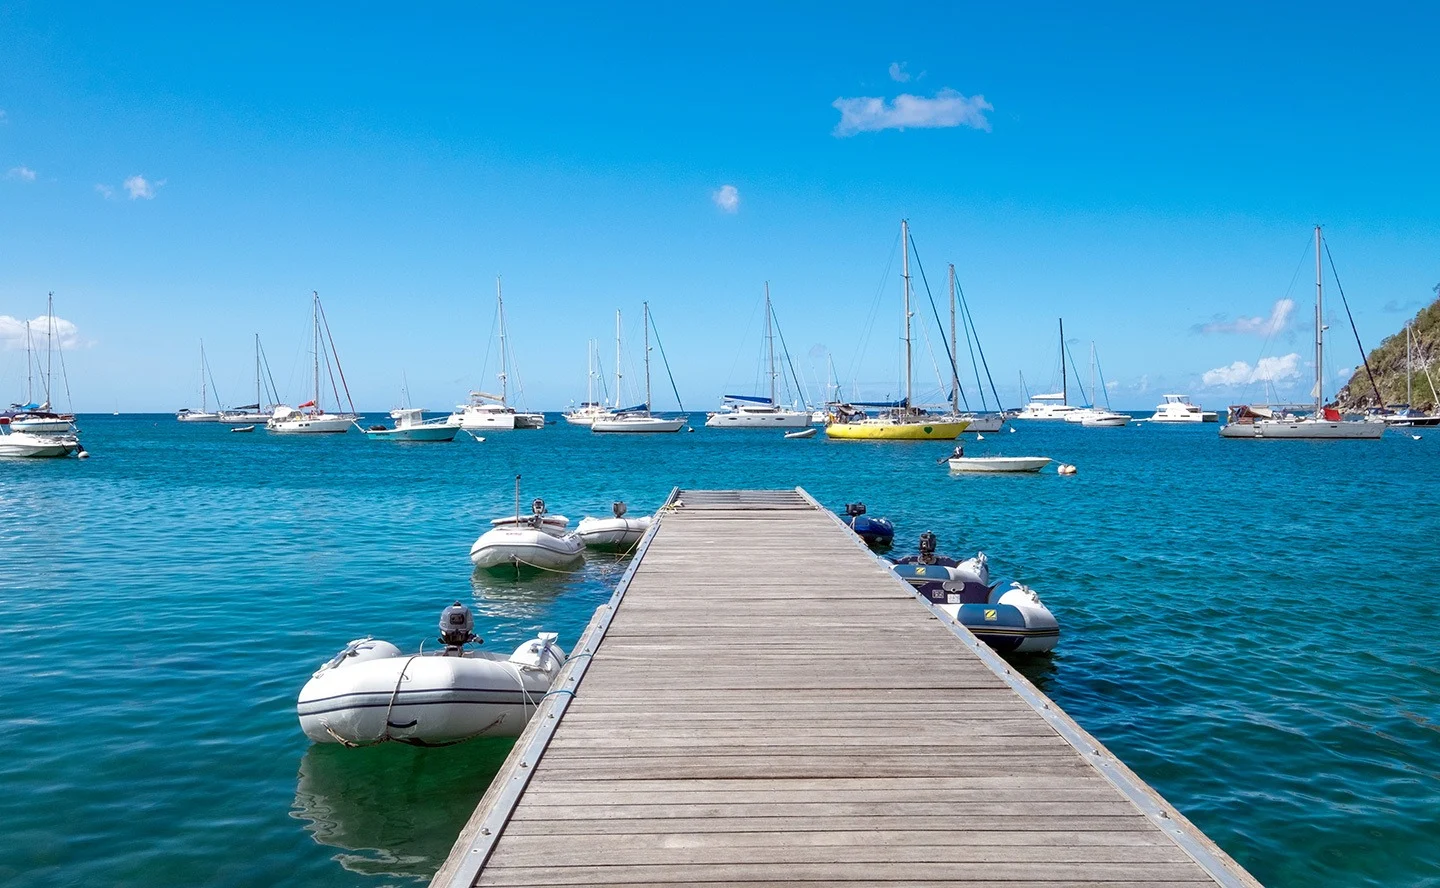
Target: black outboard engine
x: 854, y: 510
x: 457, y: 627
x: 618, y: 509
x: 928, y: 541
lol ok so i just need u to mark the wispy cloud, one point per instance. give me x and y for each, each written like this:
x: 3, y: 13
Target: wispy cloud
x: 727, y: 198
x: 139, y: 187
x: 22, y: 173
x: 1280, y: 369
x: 104, y: 191
x: 948, y: 108
x: 1278, y: 320
x: 898, y: 72
x: 12, y: 332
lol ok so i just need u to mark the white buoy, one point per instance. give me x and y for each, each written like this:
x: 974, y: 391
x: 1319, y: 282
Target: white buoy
x: 1416, y: 437
x: 1065, y: 469
x: 83, y: 454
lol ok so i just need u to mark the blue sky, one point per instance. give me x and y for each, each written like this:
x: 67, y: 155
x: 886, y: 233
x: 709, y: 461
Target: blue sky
x: 175, y: 173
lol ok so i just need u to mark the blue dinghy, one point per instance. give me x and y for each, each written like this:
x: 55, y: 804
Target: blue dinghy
x: 877, y: 533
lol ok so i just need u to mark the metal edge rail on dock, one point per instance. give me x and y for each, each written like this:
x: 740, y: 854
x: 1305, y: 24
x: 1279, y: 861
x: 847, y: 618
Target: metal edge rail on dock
x: 479, y: 838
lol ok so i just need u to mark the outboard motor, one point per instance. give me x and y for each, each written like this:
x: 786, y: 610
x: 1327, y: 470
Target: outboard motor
x: 618, y: 509
x: 457, y: 627
x: 928, y: 541
x: 854, y: 510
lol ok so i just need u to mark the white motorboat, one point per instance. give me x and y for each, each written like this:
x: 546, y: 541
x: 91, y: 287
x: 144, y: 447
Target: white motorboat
x: 411, y: 425
x: 204, y: 414
x: 493, y: 412
x: 638, y: 419
x: 759, y: 411
x: 1325, y: 423
x: 616, y: 533
x: 538, y: 540
x: 1104, y: 419
x: 998, y: 463
x: 1177, y: 408
x: 37, y: 444
x: 242, y: 429
x: 310, y: 418
x: 803, y: 433
x: 1048, y: 407
x: 372, y: 693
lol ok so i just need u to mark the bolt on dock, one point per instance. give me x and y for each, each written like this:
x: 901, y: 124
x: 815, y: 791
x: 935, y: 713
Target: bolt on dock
x: 763, y: 702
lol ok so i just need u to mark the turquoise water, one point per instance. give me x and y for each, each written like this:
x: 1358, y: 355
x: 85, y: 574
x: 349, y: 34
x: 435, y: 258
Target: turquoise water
x: 1251, y: 626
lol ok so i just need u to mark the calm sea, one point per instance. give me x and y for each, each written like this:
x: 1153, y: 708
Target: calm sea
x: 1254, y: 627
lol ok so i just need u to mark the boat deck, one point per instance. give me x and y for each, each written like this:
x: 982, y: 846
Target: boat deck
x: 762, y: 702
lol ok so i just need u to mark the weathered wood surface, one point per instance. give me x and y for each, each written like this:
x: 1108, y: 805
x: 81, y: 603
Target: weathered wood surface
x: 769, y: 705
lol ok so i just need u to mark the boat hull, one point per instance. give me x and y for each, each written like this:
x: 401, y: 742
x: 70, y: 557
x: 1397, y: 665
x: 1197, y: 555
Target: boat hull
x: 1304, y: 429
x: 612, y: 534
x: 31, y: 445
x: 998, y: 463
x: 986, y: 422
x: 311, y: 425
x: 375, y: 695
x: 895, y: 431
x: 199, y: 417
x: 803, y: 433
x: 510, y: 548
x: 428, y: 433
x: 1105, y: 421
x: 43, y: 426
x: 745, y: 420
x: 638, y: 424
x: 876, y: 532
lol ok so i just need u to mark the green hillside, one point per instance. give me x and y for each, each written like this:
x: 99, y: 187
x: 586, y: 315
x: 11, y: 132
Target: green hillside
x: 1388, y: 363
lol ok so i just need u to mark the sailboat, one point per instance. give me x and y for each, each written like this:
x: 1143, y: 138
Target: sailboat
x: 901, y: 420
x: 591, y: 409
x: 758, y: 411
x: 1093, y: 416
x: 1050, y: 406
x: 41, y: 417
x: 248, y: 414
x: 979, y: 422
x: 638, y: 418
x: 1405, y: 414
x: 1325, y: 423
x: 204, y: 414
x: 296, y: 420
x: 487, y: 411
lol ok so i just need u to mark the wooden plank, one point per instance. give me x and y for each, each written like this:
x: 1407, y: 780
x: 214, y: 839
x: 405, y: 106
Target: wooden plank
x: 735, y: 873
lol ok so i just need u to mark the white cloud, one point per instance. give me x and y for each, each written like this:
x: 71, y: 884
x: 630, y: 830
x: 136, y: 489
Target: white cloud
x: 948, y: 108
x: 12, y: 333
x: 23, y: 173
x: 898, y: 72
x: 1278, y: 320
x: 138, y: 186
x: 727, y: 198
x: 1267, y: 370
x: 105, y: 191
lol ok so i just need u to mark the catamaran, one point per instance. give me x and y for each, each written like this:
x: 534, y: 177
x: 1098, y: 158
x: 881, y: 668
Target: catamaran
x: 639, y: 418
x: 901, y: 420
x: 1177, y: 408
x: 759, y: 411
x: 310, y: 417
x: 488, y: 411
x: 1325, y: 423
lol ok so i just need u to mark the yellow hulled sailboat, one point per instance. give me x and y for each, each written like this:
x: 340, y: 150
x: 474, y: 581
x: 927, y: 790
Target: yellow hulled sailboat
x: 900, y: 421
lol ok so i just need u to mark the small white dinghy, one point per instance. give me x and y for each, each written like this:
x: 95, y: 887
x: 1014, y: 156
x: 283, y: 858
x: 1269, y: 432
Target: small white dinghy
x: 538, y: 540
x: 614, y: 534
x: 1013, y: 621
x: 998, y: 463
x: 803, y: 433
x: 371, y: 693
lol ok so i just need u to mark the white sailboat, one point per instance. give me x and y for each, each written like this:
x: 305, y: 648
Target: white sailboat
x: 41, y: 417
x: 204, y: 414
x: 984, y: 421
x: 1325, y: 423
x: 249, y: 414
x: 1405, y: 415
x: 638, y: 419
x: 1094, y: 416
x: 310, y: 417
x: 489, y: 411
x: 1054, y: 406
x: 591, y: 409
x: 756, y: 411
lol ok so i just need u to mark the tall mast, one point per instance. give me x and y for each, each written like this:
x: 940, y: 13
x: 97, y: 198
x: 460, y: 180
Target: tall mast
x: 770, y: 341
x: 49, y: 346
x: 954, y: 347
x: 1409, y: 394
x: 646, y: 318
x: 315, y: 313
x: 204, y: 405
x: 905, y: 273
x: 504, y: 363
x: 1094, y: 395
x: 589, y: 371
x: 1064, y: 388
x: 258, y: 402
x: 1319, y: 335
x: 29, y: 367
x: 617, y: 359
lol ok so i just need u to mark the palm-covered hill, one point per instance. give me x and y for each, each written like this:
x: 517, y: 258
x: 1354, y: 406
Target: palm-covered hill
x: 1388, y: 364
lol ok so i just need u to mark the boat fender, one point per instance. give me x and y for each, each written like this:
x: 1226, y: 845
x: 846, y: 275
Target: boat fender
x: 457, y: 627
x: 539, y: 654
x: 1065, y: 469
x: 82, y: 453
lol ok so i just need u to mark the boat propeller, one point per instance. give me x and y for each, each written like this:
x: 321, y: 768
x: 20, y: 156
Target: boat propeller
x: 457, y: 627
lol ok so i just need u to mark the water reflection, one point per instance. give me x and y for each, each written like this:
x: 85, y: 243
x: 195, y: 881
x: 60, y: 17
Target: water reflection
x: 393, y: 810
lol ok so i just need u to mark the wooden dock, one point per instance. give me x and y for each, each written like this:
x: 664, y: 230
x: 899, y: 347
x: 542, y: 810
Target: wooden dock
x: 762, y: 702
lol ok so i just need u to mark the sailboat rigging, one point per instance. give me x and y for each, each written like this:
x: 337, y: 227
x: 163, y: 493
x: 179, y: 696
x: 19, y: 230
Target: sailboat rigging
x: 639, y: 418
x: 311, y: 417
x: 491, y: 411
x: 760, y: 411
